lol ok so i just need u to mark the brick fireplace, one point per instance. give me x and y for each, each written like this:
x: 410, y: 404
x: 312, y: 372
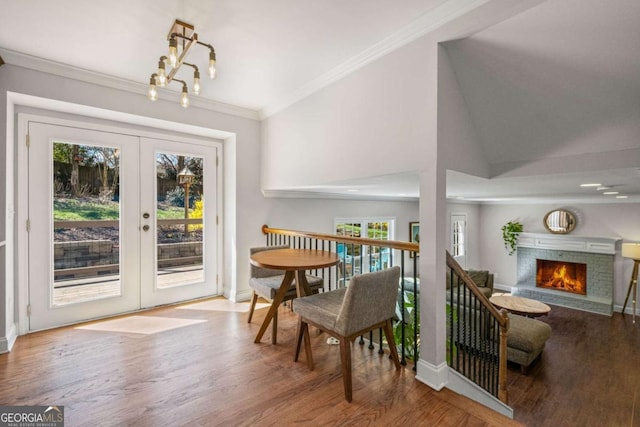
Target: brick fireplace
x: 574, y: 272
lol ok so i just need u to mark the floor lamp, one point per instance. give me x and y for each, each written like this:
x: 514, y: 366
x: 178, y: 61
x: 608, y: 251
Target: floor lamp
x: 632, y: 250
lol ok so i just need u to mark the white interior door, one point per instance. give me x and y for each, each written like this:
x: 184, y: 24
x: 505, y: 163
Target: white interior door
x: 103, y: 237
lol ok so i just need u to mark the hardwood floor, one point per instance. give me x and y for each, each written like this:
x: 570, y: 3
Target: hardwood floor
x: 588, y: 374
x: 212, y: 373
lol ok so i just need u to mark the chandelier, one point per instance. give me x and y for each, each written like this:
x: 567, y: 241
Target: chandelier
x: 181, y: 39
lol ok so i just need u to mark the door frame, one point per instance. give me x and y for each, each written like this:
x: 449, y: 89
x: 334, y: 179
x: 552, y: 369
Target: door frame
x: 22, y: 201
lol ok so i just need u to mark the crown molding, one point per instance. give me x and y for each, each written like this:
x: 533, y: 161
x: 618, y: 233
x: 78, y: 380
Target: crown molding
x: 63, y: 70
x: 301, y: 194
x: 428, y: 22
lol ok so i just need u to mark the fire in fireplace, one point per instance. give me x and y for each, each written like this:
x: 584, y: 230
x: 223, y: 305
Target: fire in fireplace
x: 562, y: 276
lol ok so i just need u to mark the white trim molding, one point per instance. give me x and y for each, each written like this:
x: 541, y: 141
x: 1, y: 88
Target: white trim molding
x: 434, y: 376
x: 63, y: 70
x: 467, y: 388
x: 563, y: 242
x: 6, y: 343
x: 428, y: 22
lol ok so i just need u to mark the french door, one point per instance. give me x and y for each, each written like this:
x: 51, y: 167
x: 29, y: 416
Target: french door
x: 112, y: 228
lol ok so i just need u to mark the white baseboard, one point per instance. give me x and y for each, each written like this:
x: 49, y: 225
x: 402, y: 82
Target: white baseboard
x: 501, y: 287
x: 239, y: 296
x: 6, y: 343
x: 628, y: 310
x: 463, y: 386
x: 434, y: 376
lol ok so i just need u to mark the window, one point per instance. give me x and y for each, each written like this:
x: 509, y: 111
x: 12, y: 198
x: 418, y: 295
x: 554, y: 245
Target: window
x: 364, y: 258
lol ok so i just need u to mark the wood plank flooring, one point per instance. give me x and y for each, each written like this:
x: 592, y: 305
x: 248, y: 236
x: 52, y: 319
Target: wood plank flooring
x: 588, y: 374
x: 212, y: 374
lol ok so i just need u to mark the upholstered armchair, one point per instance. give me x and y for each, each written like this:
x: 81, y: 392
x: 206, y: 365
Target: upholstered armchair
x: 368, y: 303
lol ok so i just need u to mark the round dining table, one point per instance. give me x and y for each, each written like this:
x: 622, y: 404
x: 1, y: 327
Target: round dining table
x: 294, y: 262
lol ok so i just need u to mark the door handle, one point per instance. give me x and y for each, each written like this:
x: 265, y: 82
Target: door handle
x: 145, y: 227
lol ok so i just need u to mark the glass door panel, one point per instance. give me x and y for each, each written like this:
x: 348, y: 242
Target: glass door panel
x: 180, y: 229
x: 86, y: 222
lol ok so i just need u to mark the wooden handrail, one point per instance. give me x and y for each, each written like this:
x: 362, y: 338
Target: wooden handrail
x: 395, y: 244
x: 451, y: 263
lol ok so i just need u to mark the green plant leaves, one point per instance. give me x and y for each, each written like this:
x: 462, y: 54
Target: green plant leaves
x: 510, y: 233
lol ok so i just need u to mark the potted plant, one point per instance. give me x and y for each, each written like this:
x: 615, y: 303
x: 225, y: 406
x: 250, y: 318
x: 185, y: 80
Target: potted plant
x: 510, y: 233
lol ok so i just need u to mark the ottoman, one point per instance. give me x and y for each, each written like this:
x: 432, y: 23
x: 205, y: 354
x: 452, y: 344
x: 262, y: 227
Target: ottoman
x: 525, y: 340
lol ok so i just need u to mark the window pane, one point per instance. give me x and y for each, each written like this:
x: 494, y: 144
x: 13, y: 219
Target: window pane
x: 180, y: 228
x: 86, y: 223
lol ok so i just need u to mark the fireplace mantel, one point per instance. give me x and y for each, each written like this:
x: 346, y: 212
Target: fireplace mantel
x: 563, y: 242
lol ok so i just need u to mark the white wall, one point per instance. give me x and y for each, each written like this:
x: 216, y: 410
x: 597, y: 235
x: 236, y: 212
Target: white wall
x: 318, y: 214
x: 373, y: 122
x: 462, y: 151
x: 596, y: 220
x: 381, y: 119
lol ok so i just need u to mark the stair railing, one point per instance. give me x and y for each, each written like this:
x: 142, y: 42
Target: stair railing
x: 476, y: 333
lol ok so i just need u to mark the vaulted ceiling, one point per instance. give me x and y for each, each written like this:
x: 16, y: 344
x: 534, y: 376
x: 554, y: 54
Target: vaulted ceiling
x: 558, y: 82
x: 554, y: 97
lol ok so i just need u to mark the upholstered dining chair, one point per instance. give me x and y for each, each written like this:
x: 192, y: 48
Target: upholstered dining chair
x: 265, y: 282
x: 368, y: 303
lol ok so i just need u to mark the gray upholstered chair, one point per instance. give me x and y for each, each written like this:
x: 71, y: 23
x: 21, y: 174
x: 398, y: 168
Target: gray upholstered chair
x: 368, y: 303
x: 265, y: 282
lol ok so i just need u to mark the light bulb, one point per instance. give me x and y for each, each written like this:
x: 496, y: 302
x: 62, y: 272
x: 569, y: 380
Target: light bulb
x: 212, y: 64
x: 162, y: 75
x: 196, y: 82
x: 153, y: 91
x: 184, y: 98
x: 173, y: 51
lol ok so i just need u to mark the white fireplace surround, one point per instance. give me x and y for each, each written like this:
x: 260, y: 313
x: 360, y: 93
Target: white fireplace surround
x: 563, y: 242
x: 596, y: 252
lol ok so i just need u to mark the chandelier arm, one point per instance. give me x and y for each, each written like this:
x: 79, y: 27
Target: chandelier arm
x: 180, y: 81
x: 194, y: 66
x: 207, y: 45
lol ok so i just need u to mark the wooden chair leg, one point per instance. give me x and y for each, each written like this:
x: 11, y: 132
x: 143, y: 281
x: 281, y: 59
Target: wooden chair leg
x: 307, y: 345
x: 254, y: 300
x: 274, y: 333
x: 345, y: 356
x: 388, y: 332
x: 299, y: 334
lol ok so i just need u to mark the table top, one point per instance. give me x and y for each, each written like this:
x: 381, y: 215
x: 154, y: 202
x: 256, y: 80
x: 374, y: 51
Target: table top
x: 294, y: 259
x: 520, y: 305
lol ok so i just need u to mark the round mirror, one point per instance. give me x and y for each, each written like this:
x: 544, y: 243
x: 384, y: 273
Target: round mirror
x: 560, y: 221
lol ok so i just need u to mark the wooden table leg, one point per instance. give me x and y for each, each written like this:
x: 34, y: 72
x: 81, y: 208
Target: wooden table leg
x: 277, y: 300
x: 302, y: 286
